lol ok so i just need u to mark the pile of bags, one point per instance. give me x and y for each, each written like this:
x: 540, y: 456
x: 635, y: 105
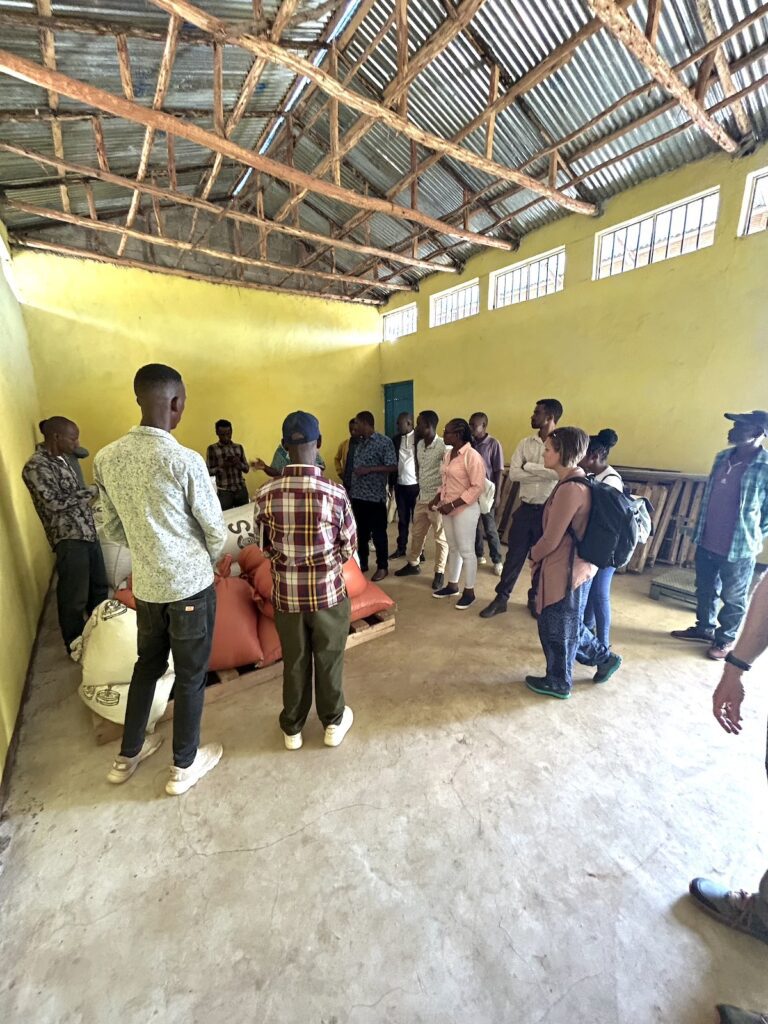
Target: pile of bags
x: 244, y: 633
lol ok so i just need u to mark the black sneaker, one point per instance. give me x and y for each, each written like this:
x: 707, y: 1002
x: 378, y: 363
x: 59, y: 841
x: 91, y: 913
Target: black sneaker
x: 445, y: 592
x: 422, y: 557
x: 397, y: 553
x: 540, y: 684
x: 607, y: 669
x: 438, y: 581
x: 700, y: 636
x: 733, y: 1015
x: 408, y: 570
x: 496, y: 607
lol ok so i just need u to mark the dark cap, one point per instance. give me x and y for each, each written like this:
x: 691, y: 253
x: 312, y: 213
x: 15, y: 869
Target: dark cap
x: 758, y: 419
x: 300, y: 428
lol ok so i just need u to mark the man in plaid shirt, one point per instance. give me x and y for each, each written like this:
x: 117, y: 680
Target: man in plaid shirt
x: 227, y: 462
x: 312, y: 533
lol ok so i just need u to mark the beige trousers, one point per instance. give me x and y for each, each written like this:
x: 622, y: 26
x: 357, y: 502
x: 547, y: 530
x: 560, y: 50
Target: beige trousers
x: 423, y: 518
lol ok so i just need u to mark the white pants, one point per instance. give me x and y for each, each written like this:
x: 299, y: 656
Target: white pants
x: 460, y: 533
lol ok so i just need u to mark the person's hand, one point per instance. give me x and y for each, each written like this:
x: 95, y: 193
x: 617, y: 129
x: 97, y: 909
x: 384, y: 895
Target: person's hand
x: 258, y: 464
x: 361, y: 471
x: 727, y: 698
x: 446, y: 508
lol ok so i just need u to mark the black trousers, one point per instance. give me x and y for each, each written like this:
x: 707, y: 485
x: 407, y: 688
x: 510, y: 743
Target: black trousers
x: 525, y: 530
x: 405, y: 499
x: 233, y: 499
x: 82, y: 584
x: 371, y: 519
x: 185, y: 628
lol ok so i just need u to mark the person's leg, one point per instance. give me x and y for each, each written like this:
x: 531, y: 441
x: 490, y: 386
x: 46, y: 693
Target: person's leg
x: 403, y: 517
x: 329, y: 629
x: 479, y: 539
x: 736, y: 578
x: 226, y: 500
x: 295, y: 639
x: 378, y: 514
x: 560, y: 635
x: 73, y: 566
x: 190, y: 623
x: 153, y: 644
x: 535, y: 531
x: 518, y: 546
x: 241, y: 496
x: 98, y: 586
x: 492, y: 534
x: 599, y: 605
x: 441, y: 541
x: 465, y: 530
x: 707, y: 590
x: 419, y: 531
x: 362, y: 519
x: 454, y: 563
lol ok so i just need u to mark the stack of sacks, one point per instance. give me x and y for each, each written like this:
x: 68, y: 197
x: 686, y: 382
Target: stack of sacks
x: 236, y: 629
x: 240, y: 531
x: 107, y: 654
x: 117, y: 562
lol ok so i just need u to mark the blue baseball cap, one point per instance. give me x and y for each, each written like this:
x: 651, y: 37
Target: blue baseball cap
x: 300, y: 428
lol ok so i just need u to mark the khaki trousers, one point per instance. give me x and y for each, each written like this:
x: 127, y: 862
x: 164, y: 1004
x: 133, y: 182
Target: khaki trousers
x: 423, y: 519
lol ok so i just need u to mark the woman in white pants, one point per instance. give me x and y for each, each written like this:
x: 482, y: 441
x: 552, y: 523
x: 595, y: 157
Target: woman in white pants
x: 463, y: 475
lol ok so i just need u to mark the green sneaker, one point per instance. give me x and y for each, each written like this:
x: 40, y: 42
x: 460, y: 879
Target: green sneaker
x: 540, y: 684
x: 607, y: 669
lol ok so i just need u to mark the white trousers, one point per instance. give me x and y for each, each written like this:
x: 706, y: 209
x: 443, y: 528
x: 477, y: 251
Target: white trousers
x: 460, y: 533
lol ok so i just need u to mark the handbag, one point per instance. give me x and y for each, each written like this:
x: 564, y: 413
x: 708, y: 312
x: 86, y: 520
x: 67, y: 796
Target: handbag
x: 487, y: 495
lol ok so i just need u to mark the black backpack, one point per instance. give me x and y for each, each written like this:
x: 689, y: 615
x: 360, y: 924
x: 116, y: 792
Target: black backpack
x: 612, y: 530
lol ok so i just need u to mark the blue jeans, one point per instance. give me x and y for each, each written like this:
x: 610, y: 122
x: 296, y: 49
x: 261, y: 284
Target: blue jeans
x: 717, y: 578
x: 598, y: 614
x: 564, y: 637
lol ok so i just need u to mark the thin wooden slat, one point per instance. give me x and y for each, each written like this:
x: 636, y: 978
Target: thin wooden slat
x: 659, y: 538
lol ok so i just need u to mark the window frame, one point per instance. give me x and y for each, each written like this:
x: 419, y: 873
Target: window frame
x: 748, y: 202
x: 433, y: 299
x: 394, y: 312
x: 495, y: 274
x: 653, y: 216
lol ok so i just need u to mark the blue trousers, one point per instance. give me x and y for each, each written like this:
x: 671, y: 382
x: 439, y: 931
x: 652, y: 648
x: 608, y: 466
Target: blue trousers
x: 598, y: 613
x: 564, y: 636
x: 719, y: 579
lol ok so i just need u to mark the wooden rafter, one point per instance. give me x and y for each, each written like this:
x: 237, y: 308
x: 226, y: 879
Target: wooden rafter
x: 19, y: 67
x: 378, y: 112
x: 48, y: 54
x: 624, y: 29
x: 652, y: 20
x: 723, y: 72
x: 171, y: 196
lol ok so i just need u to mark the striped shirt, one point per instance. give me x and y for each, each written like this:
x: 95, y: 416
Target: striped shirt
x: 312, y: 534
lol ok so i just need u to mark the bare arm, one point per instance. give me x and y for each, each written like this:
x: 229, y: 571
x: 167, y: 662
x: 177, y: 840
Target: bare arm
x: 728, y: 697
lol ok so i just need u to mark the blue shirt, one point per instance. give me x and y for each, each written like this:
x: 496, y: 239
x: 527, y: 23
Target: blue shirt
x: 376, y: 450
x: 751, y: 526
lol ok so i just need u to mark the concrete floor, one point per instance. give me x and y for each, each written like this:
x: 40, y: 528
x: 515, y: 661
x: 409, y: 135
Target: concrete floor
x: 472, y: 853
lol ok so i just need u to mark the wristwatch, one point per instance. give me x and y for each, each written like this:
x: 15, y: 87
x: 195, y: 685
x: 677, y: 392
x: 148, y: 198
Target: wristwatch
x: 737, y: 662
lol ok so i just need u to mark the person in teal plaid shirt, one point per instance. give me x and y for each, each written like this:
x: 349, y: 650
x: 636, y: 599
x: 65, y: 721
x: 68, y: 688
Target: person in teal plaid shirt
x: 730, y: 532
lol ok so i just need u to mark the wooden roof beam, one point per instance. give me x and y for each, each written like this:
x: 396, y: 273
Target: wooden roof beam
x: 48, y: 53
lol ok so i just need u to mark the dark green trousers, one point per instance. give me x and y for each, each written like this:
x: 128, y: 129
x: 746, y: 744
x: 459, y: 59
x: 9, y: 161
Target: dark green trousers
x: 307, y: 639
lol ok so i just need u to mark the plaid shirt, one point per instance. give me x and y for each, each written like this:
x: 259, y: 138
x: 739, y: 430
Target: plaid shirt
x: 228, y: 478
x: 312, y: 534
x: 752, y: 523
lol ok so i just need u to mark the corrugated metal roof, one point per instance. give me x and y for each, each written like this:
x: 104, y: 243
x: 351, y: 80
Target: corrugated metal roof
x: 443, y: 99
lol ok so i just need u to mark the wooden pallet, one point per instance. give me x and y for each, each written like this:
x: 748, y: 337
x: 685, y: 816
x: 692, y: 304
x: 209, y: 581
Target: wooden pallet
x: 233, y: 682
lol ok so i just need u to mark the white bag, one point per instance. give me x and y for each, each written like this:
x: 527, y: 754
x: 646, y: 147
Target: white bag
x: 107, y: 654
x: 240, y: 530
x: 488, y: 493
x: 117, y: 562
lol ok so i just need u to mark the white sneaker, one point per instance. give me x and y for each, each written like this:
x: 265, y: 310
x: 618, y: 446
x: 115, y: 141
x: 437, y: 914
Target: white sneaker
x: 482, y: 560
x: 124, y: 767
x: 182, y: 779
x: 294, y: 742
x: 334, y: 734
x: 498, y: 568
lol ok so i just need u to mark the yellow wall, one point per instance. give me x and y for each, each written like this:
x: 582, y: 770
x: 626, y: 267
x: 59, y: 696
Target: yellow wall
x: 25, y: 559
x: 658, y: 353
x: 247, y: 356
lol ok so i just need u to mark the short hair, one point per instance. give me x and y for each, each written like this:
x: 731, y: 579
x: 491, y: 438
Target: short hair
x: 479, y: 416
x: 55, y: 425
x: 552, y: 406
x: 430, y: 416
x: 366, y: 417
x: 155, y: 377
x: 351, y: 422
x: 462, y: 427
x: 41, y: 426
x: 221, y: 423
x: 602, y: 441
x: 570, y: 443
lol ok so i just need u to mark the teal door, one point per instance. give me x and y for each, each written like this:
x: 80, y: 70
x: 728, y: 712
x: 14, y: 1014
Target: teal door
x: 397, y: 398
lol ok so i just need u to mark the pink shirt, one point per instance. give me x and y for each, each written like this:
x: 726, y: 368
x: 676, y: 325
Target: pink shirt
x: 463, y: 477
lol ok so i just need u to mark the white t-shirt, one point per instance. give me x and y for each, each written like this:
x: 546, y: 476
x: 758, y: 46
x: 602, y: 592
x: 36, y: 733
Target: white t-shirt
x: 406, y: 459
x: 611, y: 477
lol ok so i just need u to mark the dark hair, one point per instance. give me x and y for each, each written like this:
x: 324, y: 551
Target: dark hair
x: 222, y: 423
x: 552, y: 407
x: 351, y: 422
x: 570, y: 443
x: 602, y: 442
x: 155, y: 377
x: 479, y: 416
x: 461, y: 427
x: 430, y: 416
x: 41, y: 426
x: 366, y: 417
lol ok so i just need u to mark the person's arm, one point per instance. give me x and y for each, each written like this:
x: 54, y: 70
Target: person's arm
x: 260, y: 466
x: 565, y: 505
x: 347, y: 530
x: 45, y: 485
x: 540, y: 470
x: 338, y: 460
x: 516, y: 463
x: 112, y: 524
x: 389, y: 463
x: 729, y: 694
x: 764, y: 516
x: 205, y: 507
x: 244, y: 465
x: 497, y: 471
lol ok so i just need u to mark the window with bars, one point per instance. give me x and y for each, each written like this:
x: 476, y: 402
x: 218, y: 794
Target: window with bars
x: 660, y: 235
x: 454, y: 304
x: 530, y: 279
x: 754, y: 213
x: 400, y: 322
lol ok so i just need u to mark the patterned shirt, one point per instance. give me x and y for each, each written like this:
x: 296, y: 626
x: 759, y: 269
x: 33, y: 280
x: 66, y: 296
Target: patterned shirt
x: 376, y: 450
x: 63, y: 504
x: 228, y: 477
x: 430, y: 461
x: 158, y: 499
x: 281, y: 459
x: 751, y: 526
x: 312, y: 534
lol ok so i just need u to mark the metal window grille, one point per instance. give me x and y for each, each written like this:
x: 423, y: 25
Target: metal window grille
x: 400, y: 322
x: 454, y: 304
x: 756, y: 214
x: 673, y: 231
x: 531, y: 279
